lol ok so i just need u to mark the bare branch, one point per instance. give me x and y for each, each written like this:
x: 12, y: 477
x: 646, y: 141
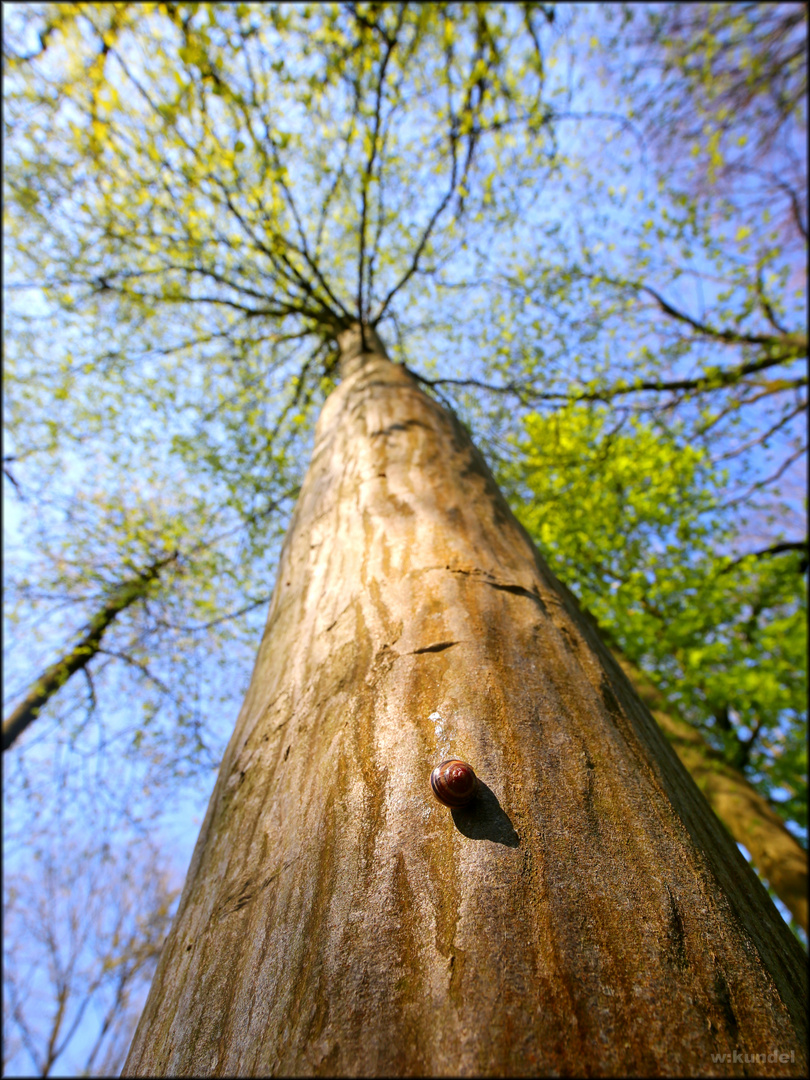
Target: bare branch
x: 763, y: 438
x: 8, y: 474
x: 369, y: 169
x: 774, y: 549
x: 795, y: 344
x: 768, y: 480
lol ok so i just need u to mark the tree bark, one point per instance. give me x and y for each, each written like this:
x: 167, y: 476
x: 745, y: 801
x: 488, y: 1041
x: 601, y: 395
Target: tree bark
x: 588, y: 914
x: 775, y: 852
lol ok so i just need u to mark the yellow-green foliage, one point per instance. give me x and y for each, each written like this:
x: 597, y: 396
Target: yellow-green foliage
x: 629, y: 516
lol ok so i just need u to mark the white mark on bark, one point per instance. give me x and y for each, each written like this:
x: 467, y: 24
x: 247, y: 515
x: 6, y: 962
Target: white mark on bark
x: 444, y: 736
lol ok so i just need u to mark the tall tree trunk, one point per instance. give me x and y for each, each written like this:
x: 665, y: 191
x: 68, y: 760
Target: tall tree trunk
x: 777, y: 854
x: 587, y: 914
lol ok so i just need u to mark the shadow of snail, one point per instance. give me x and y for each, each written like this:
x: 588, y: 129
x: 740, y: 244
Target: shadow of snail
x: 477, y: 813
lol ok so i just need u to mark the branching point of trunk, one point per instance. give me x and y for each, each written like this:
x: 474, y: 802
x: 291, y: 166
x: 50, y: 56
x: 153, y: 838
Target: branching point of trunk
x: 357, y: 343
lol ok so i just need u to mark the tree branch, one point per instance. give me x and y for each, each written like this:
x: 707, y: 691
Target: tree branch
x: 372, y: 157
x: 769, y: 479
x: 774, y: 549
x: 724, y: 334
x: 57, y: 674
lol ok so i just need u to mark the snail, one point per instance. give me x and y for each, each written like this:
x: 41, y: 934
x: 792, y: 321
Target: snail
x: 454, y: 783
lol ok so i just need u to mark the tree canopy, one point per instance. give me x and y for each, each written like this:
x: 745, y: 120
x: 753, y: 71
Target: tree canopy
x: 583, y: 228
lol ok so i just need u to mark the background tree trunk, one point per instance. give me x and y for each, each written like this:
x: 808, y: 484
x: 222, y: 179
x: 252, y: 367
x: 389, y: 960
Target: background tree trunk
x: 775, y: 852
x: 588, y: 914
x: 54, y: 677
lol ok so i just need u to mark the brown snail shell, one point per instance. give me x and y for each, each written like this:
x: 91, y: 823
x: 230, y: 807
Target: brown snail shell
x: 453, y: 782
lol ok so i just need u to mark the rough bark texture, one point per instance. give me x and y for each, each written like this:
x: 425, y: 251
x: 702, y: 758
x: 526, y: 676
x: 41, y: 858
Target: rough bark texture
x: 588, y: 915
x: 777, y: 854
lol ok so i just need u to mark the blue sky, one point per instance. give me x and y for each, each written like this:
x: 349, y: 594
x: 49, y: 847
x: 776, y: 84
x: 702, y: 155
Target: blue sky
x: 557, y: 211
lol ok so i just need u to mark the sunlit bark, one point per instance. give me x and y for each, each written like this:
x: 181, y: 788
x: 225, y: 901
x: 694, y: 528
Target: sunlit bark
x: 587, y: 915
